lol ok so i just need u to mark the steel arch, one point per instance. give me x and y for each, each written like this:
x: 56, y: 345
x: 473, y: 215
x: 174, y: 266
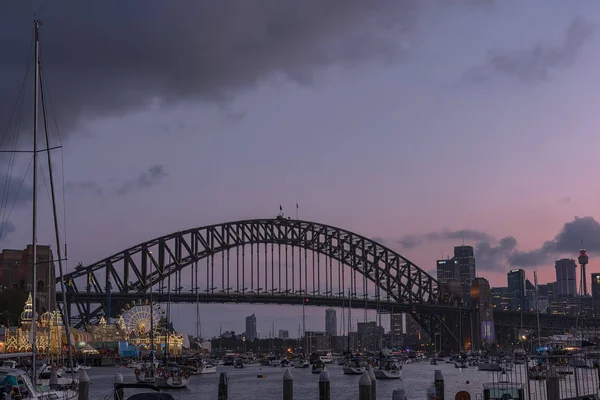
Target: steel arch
x: 399, y: 278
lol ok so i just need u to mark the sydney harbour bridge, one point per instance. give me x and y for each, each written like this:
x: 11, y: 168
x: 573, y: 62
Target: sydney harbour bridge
x: 291, y: 262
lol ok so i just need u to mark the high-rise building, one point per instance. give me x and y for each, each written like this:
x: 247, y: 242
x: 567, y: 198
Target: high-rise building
x: 516, y: 288
x: 331, y: 322
x: 595, y: 287
x: 566, y: 278
x: 447, y: 270
x: 396, y: 329
x: 251, y: 332
x: 283, y: 334
x: 16, y: 273
x: 465, y: 257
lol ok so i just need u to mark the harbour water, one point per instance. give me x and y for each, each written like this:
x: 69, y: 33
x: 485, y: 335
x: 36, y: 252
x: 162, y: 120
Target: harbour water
x: 243, y: 384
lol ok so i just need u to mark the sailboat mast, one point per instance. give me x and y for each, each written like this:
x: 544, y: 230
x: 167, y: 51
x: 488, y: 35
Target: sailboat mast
x: 66, y: 313
x: 36, y: 84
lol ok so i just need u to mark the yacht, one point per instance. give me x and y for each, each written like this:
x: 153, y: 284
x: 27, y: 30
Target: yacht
x: 172, y: 377
x: 354, y: 367
x: 145, y: 374
x: 388, y: 369
x: 24, y: 389
x: 326, y: 358
x: 301, y: 363
x: 76, y: 368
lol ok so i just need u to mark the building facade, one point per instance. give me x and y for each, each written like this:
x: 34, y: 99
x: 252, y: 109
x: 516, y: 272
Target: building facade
x: 331, y: 322
x: 447, y: 270
x: 16, y: 272
x: 465, y: 257
x: 516, y: 289
x: 251, y: 332
x: 566, y: 278
x: 595, y: 287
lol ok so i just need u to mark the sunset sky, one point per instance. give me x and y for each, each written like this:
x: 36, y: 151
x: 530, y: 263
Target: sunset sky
x: 418, y: 123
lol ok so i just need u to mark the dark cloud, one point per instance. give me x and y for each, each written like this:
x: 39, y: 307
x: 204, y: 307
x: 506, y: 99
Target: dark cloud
x: 6, y: 228
x: 151, y: 177
x: 492, y: 256
x: 112, y: 57
x: 579, y: 233
x: 80, y: 187
x: 109, y: 57
x: 411, y: 241
x: 536, y: 63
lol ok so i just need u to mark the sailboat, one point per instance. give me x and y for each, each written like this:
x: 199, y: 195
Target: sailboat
x: 18, y: 383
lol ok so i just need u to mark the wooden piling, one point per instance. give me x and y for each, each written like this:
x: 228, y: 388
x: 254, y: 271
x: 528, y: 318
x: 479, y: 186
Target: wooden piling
x: 324, y: 386
x: 288, y: 385
x: 223, y: 386
x: 438, y: 383
x: 364, y: 387
x: 117, y: 392
x: 373, y: 383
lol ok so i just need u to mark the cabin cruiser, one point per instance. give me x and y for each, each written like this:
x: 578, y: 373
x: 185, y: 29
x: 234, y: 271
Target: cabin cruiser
x: 503, y: 389
x: 239, y: 363
x: 301, y: 363
x: 354, y: 367
x: 318, y: 367
x: 172, y: 377
x: 206, y: 367
x: 20, y: 386
x: 388, y: 369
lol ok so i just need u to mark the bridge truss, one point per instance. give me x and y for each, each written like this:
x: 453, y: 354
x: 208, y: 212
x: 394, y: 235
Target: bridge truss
x: 276, y: 257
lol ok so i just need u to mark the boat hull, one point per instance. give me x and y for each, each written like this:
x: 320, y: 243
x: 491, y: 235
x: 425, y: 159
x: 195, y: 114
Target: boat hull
x: 387, y: 374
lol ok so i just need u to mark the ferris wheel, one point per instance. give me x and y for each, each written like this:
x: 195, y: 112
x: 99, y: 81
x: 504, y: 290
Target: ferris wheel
x: 139, y: 318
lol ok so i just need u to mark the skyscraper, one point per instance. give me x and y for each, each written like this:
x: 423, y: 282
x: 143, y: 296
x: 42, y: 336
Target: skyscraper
x: 251, y: 327
x: 566, y: 278
x: 447, y: 270
x: 516, y: 288
x: 465, y: 257
x: 330, y: 322
x: 595, y: 287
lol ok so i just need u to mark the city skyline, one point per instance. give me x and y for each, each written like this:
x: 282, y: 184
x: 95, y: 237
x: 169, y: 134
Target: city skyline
x: 417, y: 134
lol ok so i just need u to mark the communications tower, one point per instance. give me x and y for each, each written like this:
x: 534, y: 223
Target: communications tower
x: 583, y: 261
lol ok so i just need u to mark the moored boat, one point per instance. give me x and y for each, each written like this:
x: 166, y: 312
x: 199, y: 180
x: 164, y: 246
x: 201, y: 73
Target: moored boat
x: 318, y: 367
x: 172, y: 377
x: 388, y: 369
x: 353, y: 367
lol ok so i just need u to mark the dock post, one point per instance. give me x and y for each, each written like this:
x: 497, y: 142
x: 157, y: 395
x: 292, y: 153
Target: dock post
x: 118, y: 392
x: 373, y: 384
x: 288, y: 385
x: 84, y: 386
x: 324, y: 386
x: 398, y: 394
x: 552, y: 385
x: 364, y: 387
x: 223, y: 386
x: 53, y: 378
x: 438, y: 383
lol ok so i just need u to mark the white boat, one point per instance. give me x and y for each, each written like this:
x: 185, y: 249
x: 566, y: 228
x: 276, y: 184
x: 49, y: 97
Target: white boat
x: 388, y: 369
x: 76, y: 368
x: 301, y: 363
x: 354, y: 367
x: 9, y: 364
x: 207, y: 368
x: 45, y: 372
x: 146, y: 373
x: 23, y: 388
x: 133, y: 364
x: 326, y: 358
x: 172, y: 377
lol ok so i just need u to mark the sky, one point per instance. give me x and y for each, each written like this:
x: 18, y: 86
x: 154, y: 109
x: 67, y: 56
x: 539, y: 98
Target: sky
x: 418, y: 123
